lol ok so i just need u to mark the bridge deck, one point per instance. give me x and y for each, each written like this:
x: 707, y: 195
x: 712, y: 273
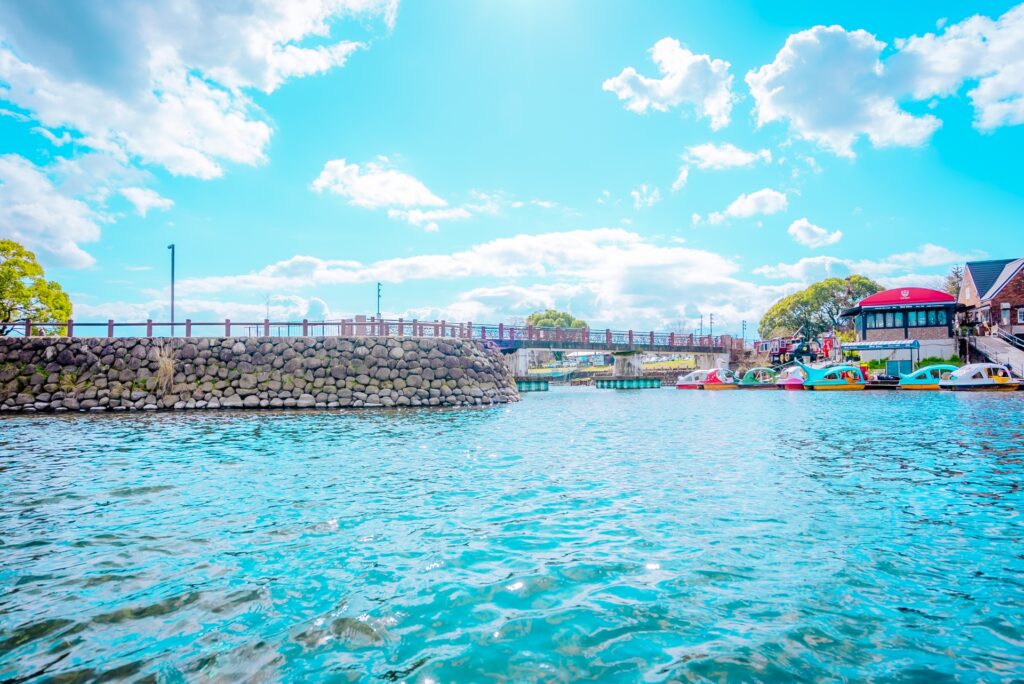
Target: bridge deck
x: 507, y: 337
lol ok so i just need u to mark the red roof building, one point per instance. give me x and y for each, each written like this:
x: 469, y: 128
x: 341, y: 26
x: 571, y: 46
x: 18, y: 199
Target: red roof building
x: 908, y: 313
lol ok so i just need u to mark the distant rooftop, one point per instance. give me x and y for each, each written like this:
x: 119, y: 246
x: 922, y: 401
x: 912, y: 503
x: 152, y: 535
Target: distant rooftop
x: 1009, y: 270
x: 985, y: 273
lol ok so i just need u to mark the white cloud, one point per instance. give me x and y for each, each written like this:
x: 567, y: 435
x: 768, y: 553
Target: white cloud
x: 144, y: 199
x: 725, y: 156
x: 680, y: 181
x: 806, y: 233
x: 37, y: 214
x: 686, y: 78
x: 830, y: 85
x: 645, y: 197
x: 610, y: 276
x: 891, y: 267
x: 763, y: 202
x: 163, y: 82
x: 429, y: 217
x: 374, y: 185
x: 981, y: 49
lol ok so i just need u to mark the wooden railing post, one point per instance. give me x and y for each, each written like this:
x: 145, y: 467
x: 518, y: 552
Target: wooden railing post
x: 469, y: 330
x: 110, y: 327
x: 149, y: 327
x: 631, y: 338
x: 529, y: 332
x: 501, y: 331
x: 671, y: 339
x: 415, y: 325
x: 607, y: 336
x: 71, y: 327
x: 305, y: 328
x: 227, y: 327
x: 443, y: 331
x: 28, y: 328
x: 483, y: 332
x: 401, y: 328
x: 266, y: 327
x: 188, y: 327
x: 652, y: 339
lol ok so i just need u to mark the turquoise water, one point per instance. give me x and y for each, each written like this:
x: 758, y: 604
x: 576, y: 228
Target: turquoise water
x: 650, y: 535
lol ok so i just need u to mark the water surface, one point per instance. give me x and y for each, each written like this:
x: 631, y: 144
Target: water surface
x: 651, y: 535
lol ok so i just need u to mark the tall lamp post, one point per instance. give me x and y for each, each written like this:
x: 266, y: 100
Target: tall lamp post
x: 378, y: 301
x: 171, y: 247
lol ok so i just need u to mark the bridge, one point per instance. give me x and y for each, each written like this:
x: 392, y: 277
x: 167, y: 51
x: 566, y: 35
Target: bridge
x: 512, y: 339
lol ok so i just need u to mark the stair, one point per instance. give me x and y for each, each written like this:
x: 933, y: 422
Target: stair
x: 998, y: 350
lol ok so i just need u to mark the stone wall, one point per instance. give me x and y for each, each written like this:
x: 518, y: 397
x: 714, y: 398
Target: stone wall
x: 99, y: 374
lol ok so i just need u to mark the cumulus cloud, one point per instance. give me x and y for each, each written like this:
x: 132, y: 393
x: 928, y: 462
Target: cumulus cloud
x: 806, y: 233
x: 163, y: 83
x: 680, y: 181
x: 989, y: 52
x: 144, y: 199
x: 36, y: 213
x: 686, y: 78
x: 374, y: 185
x: 763, y: 202
x: 830, y: 85
x: 885, y: 270
x: 611, y: 276
x: 725, y: 156
x: 645, y: 196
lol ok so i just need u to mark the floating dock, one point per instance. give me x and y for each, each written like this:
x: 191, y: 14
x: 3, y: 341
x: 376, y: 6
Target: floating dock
x: 532, y: 384
x: 627, y: 383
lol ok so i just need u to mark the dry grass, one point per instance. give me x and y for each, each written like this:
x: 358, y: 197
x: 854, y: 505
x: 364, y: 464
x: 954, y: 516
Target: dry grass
x: 164, y: 376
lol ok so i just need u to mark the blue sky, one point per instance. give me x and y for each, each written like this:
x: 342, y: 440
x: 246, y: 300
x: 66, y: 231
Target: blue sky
x: 640, y: 164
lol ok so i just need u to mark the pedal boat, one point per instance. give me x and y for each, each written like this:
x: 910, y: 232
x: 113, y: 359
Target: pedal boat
x: 842, y: 378
x: 927, y: 378
x: 981, y: 377
x: 692, y: 380
x: 791, y: 378
x: 720, y: 379
x: 760, y: 378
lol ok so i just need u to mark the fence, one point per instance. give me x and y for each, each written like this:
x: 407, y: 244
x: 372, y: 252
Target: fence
x: 370, y: 326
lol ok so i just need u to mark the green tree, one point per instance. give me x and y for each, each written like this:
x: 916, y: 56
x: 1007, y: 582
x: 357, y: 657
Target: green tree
x: 954, y: 280
x: 554, y: 319
x: 817, y: 309
x: 25, y: 293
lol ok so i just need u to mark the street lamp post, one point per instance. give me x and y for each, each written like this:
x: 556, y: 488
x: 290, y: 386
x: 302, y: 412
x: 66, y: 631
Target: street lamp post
x: 171, y: 247
x: 378, y: 301
x: 711, y: 325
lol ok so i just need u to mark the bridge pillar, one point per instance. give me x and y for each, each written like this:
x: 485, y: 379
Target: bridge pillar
x: 628, y: 364
x: 518, y: 362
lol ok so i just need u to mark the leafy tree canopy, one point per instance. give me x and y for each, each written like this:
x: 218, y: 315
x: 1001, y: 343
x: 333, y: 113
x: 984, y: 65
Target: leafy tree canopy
x: 25, y: 294
x: 554, y: 319
x: 816, y: 310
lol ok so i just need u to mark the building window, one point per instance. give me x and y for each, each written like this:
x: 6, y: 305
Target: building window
x: 888, y: 320
x: 1020, y: 315
x: 941, y: 314
x: 898, y: 319
x: 1005, y: 311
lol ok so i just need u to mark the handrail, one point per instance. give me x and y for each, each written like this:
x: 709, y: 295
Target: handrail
x: 1012, y: 340
x: 371, y: 326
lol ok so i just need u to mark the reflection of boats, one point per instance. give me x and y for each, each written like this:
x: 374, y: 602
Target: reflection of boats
x: 720, y: 379
x: 927, y: 378
x: 981, y: 377
x: 759, y: 378
x: 691, y: 380
x: 791, y: 379
x: 834, y: 378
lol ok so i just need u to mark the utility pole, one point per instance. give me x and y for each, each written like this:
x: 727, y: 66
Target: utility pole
x: 171, y: 247
x: 743, y: 337
x: 378, y: 301
x: 711, y: 325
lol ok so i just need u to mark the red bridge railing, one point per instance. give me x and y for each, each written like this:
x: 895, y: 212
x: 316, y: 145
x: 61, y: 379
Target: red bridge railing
x: 370, y: 326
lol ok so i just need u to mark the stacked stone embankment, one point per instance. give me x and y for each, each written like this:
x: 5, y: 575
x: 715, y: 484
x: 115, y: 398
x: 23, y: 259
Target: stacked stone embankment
x: 101, y: 374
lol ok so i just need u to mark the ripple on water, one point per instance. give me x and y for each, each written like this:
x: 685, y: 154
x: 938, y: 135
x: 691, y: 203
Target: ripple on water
x: 662, y: 535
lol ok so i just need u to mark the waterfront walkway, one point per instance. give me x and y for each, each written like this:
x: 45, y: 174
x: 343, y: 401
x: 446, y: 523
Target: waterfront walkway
x: 998, y: 350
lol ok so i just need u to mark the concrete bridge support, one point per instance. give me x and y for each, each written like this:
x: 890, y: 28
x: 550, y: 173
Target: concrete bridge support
x: 518, y: 362
x: 706, y: 361
x: 628, y: 364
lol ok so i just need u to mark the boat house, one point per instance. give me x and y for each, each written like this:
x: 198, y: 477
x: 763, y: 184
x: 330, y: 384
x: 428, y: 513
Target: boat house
x: 992, y: 292
x: 907, y: 318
